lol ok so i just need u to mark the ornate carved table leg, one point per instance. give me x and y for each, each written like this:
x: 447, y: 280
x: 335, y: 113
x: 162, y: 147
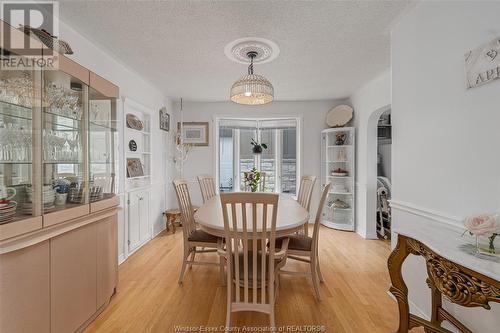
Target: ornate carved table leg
x: 437, y: 302
x: 398, y: 287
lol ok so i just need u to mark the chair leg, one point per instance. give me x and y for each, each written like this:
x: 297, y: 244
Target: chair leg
x: 314, y: 277
x: 229, y: 298
x: 272, y: 323
x: 277, y: 287
x: 184, y: 262
x: 193, y: 254
x: 228, y: 319
x: 221, y: 271
x: 318, y: 270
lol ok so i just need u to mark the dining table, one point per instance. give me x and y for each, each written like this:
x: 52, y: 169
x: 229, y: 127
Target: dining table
x: 291, y: 217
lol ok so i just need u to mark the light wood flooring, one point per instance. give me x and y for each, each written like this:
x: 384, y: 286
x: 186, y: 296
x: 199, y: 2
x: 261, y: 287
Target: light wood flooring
x: 354, y: 294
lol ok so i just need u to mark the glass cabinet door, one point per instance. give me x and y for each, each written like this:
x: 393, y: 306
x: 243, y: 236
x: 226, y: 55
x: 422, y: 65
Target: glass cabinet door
x: 103, y: 148
x: 19, y: 107
x: 63, y: 142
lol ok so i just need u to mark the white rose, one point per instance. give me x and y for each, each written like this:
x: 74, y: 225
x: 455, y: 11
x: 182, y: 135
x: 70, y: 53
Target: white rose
x: 483, y: 224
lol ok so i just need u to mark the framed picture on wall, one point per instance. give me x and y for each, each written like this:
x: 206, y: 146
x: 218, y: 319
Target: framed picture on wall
x: 164, y: 120
x: 195, y: 133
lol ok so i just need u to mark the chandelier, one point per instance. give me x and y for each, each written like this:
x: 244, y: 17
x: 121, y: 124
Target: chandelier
x: 252, y: 89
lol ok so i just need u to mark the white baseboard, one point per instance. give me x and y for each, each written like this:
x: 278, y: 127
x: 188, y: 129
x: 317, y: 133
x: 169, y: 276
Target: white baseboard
x: 159, y: 231
x: 121, y: 258
x: 414, y: 309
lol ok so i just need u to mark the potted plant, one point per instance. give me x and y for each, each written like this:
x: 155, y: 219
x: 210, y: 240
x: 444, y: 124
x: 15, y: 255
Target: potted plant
x: 252, y: 179
x: 257, y: 147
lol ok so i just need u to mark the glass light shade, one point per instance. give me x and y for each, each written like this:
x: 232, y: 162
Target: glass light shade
x: 252, y: 89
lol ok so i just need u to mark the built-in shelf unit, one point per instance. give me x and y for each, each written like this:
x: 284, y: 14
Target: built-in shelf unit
x: 338, y: 168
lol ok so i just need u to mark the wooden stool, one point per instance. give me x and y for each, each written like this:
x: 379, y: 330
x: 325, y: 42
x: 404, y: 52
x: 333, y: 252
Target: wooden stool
x: 174, y: 215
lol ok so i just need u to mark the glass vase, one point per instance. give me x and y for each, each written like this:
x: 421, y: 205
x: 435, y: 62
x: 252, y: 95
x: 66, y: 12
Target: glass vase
x: 488, y: 244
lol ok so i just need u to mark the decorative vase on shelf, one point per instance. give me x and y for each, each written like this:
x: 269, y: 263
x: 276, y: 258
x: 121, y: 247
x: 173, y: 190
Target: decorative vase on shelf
x: 340, y: 139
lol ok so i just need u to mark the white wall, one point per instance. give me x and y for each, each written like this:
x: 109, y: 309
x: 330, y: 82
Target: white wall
x: 385, y: 150
x: 201, y: 160
x: 446, y: 139
x: 133, y: 86
x: 369, y: 102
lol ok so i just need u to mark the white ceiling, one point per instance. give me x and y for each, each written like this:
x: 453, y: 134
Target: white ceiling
x: 327, y: 48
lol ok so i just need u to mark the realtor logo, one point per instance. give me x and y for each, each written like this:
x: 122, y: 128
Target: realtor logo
x: 34, y: 22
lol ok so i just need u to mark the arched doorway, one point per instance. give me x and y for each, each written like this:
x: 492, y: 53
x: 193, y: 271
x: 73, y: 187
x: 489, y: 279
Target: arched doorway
x: 371, y: 171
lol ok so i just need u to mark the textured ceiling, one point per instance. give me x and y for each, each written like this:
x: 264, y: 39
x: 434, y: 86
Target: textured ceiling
x: 327, y: 48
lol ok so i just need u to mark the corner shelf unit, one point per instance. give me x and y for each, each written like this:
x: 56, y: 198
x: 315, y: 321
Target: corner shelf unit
x: 338, y: 154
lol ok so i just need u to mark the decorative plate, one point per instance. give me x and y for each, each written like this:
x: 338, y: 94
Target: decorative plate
x: 134, y: 168
x: 339, y: 116
x: 134, y: 122
x: 132, y: 145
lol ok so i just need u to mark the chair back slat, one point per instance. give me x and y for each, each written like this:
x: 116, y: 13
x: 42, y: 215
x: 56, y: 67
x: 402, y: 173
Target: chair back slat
x: 319, y: 214
x: 304, y: 196
x: 252, y: 221
x: 185, y: 206
x: 305, y: 191
x: 207, y: 187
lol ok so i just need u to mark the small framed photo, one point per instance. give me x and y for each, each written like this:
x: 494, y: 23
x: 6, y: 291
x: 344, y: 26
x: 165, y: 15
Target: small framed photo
x: 164, y: 120
x: 194, y: 133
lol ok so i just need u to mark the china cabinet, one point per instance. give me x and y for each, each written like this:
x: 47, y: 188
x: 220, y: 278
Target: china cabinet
x: 58, y: 208
x: 58, y: 151
x: 338, y: 167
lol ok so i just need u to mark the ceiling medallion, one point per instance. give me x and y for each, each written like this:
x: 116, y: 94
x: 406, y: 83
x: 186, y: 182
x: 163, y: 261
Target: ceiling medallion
x: 238, y: 49
x: 252, y: 89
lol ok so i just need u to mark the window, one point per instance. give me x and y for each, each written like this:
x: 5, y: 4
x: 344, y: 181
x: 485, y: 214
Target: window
x: 280, y: 161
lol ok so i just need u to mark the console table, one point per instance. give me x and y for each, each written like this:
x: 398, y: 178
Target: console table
x: 459, y: 284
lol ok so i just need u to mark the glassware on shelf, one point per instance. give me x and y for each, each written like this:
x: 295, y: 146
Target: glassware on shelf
x: 61, y: 146
x: 63, y: 101
x: 76, y: 193
x: 96, y: 193
x: 63, y: 139
x: 15, y: 143
x: 103, y: 151
x: 17, y: 89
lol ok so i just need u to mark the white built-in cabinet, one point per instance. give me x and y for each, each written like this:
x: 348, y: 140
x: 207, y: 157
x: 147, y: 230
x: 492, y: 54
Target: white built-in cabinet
x: 139, y: 227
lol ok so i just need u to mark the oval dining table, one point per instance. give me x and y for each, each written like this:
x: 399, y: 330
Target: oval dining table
x: 291, y: 217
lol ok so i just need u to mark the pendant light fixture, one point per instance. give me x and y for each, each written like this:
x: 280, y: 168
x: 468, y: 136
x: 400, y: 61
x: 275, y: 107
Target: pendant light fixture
x: 252, y: 89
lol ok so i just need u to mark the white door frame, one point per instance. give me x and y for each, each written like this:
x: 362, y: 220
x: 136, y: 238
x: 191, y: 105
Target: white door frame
x: 371, y: 171
x: 298, y: 144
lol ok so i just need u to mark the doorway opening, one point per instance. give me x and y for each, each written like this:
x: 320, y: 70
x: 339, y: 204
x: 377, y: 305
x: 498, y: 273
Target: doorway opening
x: 384, y: 142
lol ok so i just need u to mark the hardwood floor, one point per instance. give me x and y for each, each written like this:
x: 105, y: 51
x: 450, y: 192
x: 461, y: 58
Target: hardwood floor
x: 354, y: 293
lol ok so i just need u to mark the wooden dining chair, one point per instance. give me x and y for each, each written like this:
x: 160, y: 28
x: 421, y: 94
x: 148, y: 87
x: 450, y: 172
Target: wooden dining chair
x: 207, y: 187
x: 194, y: 238
x: 250, y: 221
x: 304, y: 196
x: 305, y: 249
